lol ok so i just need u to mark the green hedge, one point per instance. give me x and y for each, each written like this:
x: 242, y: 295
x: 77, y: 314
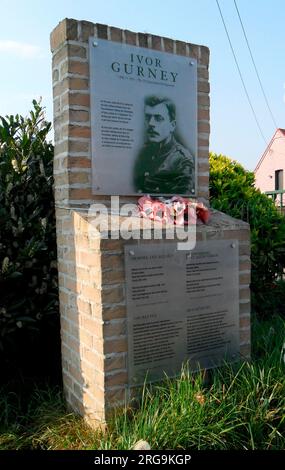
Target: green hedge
x: 28, y: 267
x: 232, y: 191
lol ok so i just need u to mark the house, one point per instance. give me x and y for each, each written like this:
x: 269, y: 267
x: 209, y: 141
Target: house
x: 270, y: 170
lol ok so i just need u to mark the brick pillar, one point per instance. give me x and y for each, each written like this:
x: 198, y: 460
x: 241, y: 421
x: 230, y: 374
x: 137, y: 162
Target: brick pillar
x: 72, y: 164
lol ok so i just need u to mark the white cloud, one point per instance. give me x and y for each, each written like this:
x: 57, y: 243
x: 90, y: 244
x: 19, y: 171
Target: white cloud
x: 20, y: 49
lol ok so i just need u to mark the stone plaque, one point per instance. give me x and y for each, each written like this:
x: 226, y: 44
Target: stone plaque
x: 181, y: 306
x: 143, y: 120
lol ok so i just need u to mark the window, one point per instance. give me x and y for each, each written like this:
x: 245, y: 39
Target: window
x: 278, y: 179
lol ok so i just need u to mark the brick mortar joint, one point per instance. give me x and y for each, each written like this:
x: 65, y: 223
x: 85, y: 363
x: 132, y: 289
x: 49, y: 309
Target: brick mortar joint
x: 114, y: 321
x: 73, y: 92
x: 75, y: 107
x: 111, y: 338
x: 111, y: 373
x: 73, y: 75
x: 69, y: 89
x: 69, y: 171
x: 92, y: 396
x: 66, y: 42
x: 114, y: 388
x: 68, y: 59
x: 112, y: 355
x: 73, y: 123
x: 94, y: 351
x: 80, y: 124
x: 100, y: 372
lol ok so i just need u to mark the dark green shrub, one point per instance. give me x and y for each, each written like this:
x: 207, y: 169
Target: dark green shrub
x: 28, y: 270
x: 232, y: 191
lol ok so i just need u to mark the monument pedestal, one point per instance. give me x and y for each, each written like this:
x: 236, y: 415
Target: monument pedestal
x: 96, y: 322
x: 110, y: 316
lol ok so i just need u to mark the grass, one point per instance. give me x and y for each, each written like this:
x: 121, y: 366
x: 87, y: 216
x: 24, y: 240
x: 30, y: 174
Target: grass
x: 240, y: 406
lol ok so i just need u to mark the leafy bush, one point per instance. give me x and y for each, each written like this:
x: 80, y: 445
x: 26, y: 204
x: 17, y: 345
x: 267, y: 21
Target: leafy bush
x: 232, y: 191
x: 28, y: 270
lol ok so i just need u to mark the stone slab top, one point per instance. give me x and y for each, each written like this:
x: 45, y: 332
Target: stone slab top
x: 218, y: 222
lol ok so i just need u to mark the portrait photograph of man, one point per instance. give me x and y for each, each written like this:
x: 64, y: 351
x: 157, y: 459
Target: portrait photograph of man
x: 164, y: 165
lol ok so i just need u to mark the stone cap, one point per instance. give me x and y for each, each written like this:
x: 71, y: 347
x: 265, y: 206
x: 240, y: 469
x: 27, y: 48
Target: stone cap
x: 218, y: 222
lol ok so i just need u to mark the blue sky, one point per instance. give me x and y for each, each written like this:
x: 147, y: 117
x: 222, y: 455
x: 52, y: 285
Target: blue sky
x: 25, y: 57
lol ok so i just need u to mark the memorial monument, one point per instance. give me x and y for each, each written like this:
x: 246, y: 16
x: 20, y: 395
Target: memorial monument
x: 131, y: 117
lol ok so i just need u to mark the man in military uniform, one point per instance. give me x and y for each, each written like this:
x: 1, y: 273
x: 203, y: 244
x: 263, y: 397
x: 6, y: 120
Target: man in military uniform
x: 163, y: 166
